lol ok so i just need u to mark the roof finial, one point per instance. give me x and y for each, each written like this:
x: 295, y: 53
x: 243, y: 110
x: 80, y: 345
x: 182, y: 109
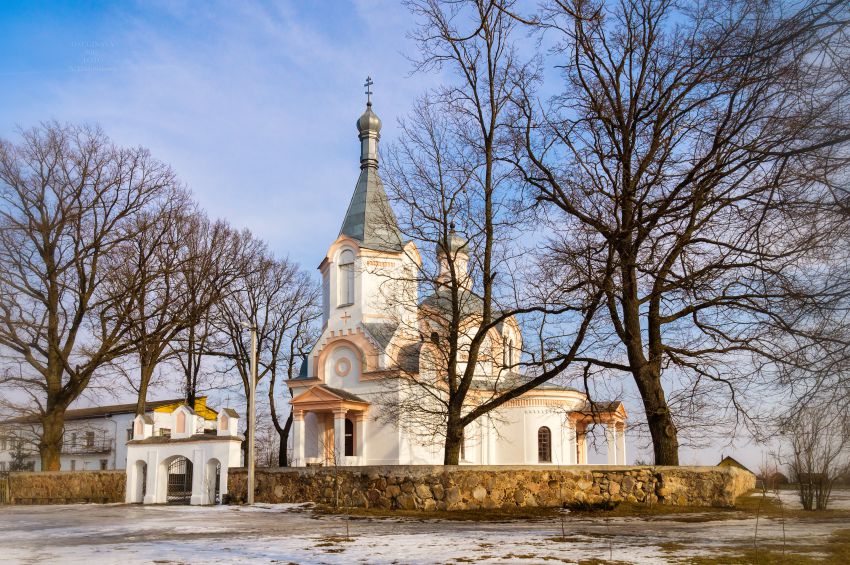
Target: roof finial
x: 368, y: 86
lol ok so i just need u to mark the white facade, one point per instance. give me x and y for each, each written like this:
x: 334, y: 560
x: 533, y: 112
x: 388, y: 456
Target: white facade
x: 376, y: 325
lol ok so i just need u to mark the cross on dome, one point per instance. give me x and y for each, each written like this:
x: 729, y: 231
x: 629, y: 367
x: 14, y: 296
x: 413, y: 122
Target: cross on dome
x: 368, y: 84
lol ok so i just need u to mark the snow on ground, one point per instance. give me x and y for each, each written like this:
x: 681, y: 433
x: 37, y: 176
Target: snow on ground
x: 838, y: 500
x: 278, y: 533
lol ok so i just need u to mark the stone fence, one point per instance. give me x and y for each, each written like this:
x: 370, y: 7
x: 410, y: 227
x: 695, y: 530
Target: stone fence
x: 428, y: 487
x: 61, y: 487
x: 489, y: 487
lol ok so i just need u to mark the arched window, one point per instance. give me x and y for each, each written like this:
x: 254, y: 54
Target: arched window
x: 349, y: 437
x: 544, y: 445
x: 346, y: 278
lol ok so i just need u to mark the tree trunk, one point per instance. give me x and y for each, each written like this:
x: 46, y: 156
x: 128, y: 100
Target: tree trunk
x: 665, y: 443
x: 50, y: 446
x: 454, y: 441
x: 282, y: 461
x: 144, y: 381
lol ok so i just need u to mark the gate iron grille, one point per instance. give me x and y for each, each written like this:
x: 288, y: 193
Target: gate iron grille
x: 179, y: 481
x: 217, y: 497
x: 144, y: 480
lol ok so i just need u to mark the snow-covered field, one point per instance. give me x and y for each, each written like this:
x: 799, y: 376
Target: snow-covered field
x: 93, y: 534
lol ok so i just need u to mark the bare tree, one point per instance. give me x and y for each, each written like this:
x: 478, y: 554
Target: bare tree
x: 280, y: 301
x: 457, y: 199
x: 684, y: 149
x: 299, y: 333
x: 147, y: 275
x: 216, y: 256
x: 69, y: 199
x: 820, y: 453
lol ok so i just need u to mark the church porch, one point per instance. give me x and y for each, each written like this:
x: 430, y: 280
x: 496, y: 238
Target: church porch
x: 338, y: 419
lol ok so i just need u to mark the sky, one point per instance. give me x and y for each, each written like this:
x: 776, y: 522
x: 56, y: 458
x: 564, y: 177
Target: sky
x: 254, y: 104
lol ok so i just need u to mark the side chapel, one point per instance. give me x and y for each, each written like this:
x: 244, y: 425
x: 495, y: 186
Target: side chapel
x: 337, y: 398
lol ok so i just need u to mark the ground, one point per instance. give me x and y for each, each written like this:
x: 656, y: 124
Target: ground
x: 91, y: 534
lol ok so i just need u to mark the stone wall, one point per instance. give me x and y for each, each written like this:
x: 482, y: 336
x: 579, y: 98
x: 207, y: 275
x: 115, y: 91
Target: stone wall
x: 474, y: 487
x: 62, y: 487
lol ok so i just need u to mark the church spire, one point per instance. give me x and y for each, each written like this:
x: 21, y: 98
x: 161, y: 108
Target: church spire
x: 370, y: 219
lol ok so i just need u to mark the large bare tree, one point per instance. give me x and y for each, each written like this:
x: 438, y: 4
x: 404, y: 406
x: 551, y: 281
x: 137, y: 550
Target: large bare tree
x: 68, y: 199
x: 683, y: 147
x: 459, y: 202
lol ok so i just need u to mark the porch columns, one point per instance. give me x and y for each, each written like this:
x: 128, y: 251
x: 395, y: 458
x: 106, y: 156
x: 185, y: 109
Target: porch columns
x: 339, y: 436
x: 298, y: 438
x: 581, y: 444
x: 360, y: 437
x: 620, y: 429
x: 611, y: 443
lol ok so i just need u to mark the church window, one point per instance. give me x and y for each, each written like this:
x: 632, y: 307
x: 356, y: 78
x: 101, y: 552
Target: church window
x: 346, y: 278
x: 544, y: 445
x: 349, y: 437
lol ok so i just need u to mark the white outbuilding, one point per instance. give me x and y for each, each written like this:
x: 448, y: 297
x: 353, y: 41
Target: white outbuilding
x: 181, y: 458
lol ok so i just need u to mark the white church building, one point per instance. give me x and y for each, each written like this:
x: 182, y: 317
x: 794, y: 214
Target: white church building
x: 346, y: 380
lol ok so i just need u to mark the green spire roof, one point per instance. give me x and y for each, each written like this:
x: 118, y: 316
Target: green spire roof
x: 370, y: 218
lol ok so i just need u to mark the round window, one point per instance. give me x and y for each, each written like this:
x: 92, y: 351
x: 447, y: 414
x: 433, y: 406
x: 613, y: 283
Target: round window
x: 343, y: 367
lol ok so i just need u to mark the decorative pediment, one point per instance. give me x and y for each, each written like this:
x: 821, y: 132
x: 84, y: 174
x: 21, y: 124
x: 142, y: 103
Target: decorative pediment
x: 321, y: 397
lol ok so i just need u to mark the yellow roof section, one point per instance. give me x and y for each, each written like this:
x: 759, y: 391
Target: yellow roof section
x: 201, y: 408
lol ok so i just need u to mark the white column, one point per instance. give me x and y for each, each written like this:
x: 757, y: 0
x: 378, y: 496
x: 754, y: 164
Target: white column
x: 581, y: 444
x: 199, y: 484
x: 570, y: 455
x: 611, y: 443
x: 491, y: 441
x: 360, y: 438
x: 298, y: 438
x: 621, y: 443
x: 151, y: 494
x: 339, y: 437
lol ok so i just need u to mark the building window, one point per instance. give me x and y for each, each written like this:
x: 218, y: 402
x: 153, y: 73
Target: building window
x: 129, y: 434
x: 104, y: 464
x: 349, y: 437
x: 73, y: 464
x: 2, y: 466
x: 74, y: 439
x: 3, y: 443
x: 89, y: 439
x: 544, y: 445
x: 346, y: 278
x: 165, y: 432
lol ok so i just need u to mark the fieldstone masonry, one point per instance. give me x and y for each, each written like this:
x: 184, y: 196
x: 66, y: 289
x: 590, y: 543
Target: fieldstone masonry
x: 60, y: 487
x: 475, y: 487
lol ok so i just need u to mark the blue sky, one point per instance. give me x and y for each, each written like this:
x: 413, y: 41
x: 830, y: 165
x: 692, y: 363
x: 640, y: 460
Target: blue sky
x: 253, y: 104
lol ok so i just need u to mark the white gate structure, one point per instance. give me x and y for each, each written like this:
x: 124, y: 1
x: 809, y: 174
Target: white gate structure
x: 182, y: 463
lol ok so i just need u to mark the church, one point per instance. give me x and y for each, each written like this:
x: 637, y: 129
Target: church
x: 340, y: 398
